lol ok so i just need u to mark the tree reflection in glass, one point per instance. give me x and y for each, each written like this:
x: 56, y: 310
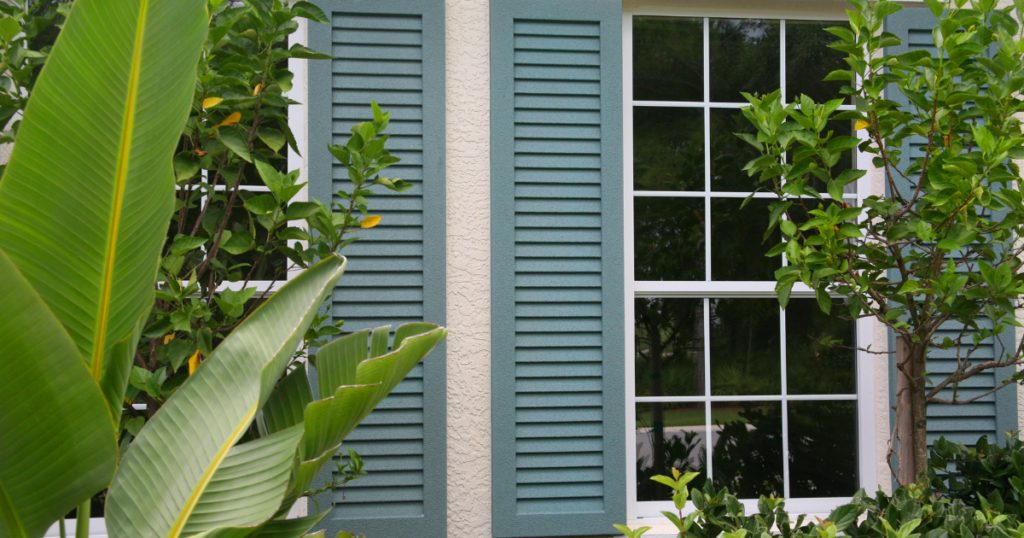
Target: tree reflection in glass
x: 668, y: 59
x: 744, y: 58
x: 668, y: 238
x: 747, y: 451
x: 669, y: 347
x: 668, y: 434
x: 745, y: 354
x: 668, y: 149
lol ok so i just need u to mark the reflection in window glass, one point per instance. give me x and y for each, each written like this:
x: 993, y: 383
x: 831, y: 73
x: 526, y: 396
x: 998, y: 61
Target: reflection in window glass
x: 745, y: 353
x: 668, y: 59
x: 737, y: 251
x: 744, y: 58
x: 746, y: 454
x: 729, y: 154
x: 668, y: 149
x: 693, y: 230
x: 812, y: 366
x: 668, y: 238
x: 809, y: 61
x: 669, y: 347
x: 668, y: 435
x: 822, y: 449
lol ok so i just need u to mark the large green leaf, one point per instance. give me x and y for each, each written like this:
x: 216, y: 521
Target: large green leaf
x: 278, y: 528
x: 57, y: 444
x: 247, y: 488
x: 358, y: 386
x: 286, y: 405
x: 172, y: 461
x: 89, y: 188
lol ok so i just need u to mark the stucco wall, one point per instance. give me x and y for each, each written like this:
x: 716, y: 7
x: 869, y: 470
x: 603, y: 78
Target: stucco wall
x: 467, y: 86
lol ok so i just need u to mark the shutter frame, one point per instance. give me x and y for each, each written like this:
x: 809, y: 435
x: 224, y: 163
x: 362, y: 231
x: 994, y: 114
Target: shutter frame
x: 507, y: 519
x: 386, y: 520
x: 960, y: 424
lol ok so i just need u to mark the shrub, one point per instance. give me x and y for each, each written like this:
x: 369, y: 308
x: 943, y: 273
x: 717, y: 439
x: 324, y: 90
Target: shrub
x: 987, y: 475
x: 915, y: 511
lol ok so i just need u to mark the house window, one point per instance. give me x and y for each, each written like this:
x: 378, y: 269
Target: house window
x: 722, y: 381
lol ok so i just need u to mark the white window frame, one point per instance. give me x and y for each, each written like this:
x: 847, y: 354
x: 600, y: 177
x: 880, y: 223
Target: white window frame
x: 650, y: 511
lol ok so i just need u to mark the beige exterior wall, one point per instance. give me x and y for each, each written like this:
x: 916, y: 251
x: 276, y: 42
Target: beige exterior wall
x: 467, y: 87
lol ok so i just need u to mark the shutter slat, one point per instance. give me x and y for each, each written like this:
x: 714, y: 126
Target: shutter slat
x: 392, y: 52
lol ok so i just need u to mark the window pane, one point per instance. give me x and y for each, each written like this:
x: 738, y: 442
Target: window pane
x: 811, y: 366
x: 668, y: 435
x: 745, y: 355
x: 668, y: 149
x: 809, y: 60
x: 744, y: 58
x: 822, y: 449
x: 737, y: 252
x: 668, y: 59
x: 729, y: 154
x: 669, y: 347
x: 668, y: 238
x: 747, y: 452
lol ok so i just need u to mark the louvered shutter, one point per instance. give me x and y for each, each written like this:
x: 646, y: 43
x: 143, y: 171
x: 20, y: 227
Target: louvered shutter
x: 558, y: 364
x: 391, y: 51
x: 995, y: 414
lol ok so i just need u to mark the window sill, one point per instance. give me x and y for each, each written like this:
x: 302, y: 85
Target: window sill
x: 97, y: 528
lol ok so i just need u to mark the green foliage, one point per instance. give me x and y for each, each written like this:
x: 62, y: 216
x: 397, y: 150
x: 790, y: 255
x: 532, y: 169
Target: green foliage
x: 983, y: 476
x: 225, y: 235
x: 27, y: 33
x: 915, y: 511
x: 73, y: 314
x: 240, y: 438
x: 939, y: 245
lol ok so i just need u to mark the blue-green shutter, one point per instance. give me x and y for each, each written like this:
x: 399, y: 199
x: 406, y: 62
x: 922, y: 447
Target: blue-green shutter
x: 995, y: 414
x: 558, y: 402
x: 391, y: 51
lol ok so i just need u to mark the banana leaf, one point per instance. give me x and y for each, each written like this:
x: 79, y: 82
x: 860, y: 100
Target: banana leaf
x: 173, y: 461
x: 57, y: 443
x: 89, y: 188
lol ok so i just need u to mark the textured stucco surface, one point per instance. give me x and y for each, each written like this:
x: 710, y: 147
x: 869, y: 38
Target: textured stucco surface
x: 880, y: 345
x: 467, y: 87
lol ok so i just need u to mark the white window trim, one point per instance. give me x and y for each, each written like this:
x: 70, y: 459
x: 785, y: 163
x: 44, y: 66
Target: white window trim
x: 649, y: 511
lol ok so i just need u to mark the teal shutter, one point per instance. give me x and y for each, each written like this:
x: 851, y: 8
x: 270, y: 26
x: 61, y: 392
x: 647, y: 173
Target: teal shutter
x: 558, y: 402
x: 391, y: 51
x: 995, y: 414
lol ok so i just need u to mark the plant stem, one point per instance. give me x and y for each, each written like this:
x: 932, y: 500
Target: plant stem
x: 82, y: 519
x: 63, y: 531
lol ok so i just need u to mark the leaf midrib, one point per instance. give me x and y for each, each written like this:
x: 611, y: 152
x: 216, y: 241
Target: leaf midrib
x: 10, y: 515
x: 124, y: 154
x: 197, y: 492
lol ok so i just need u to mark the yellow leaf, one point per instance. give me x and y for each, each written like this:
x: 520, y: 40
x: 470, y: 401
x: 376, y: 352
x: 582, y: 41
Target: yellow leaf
x: 127, y: 401
x: 212, y: 101
x: 371, y: 221
x: 861, y: 124
x: 193, y: 362
x: 168, y: 338
x: 257, y: 90
x: 232, y: 119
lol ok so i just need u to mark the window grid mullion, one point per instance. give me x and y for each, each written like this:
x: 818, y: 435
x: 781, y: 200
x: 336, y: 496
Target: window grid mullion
x: 782, y: 311
x: 707, y: 154
x: 708, y: 436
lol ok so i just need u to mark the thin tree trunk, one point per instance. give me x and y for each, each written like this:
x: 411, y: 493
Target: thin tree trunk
x: 911, y: 413
x: 919, y: 397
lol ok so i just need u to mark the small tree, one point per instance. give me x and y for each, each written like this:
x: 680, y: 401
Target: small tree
x: 940, y: 245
